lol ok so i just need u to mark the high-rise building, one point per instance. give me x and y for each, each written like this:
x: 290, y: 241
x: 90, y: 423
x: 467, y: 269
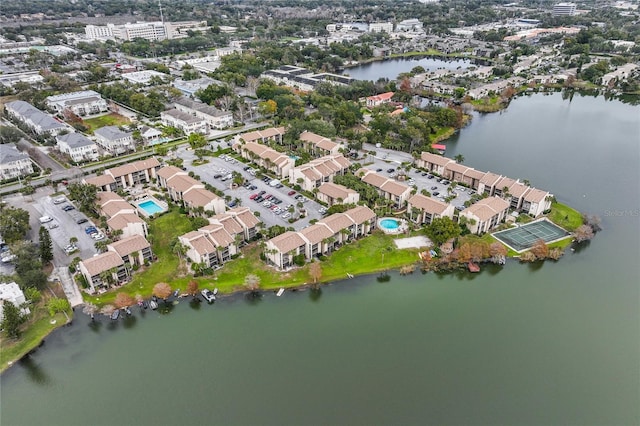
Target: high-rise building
x: 564, y: 9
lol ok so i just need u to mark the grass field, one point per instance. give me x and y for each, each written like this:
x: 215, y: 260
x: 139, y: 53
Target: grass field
x: 371, y: 254
x: 112, y: 119
x: 565, y: 217
x: 38, y: 329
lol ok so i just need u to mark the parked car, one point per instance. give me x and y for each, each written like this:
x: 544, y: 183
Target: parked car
x: 291, y: 193
x: 253, y: 187
x: 68, y: 207
x: 45, y: 219
x: 8, y: 257
x: 90, y: 229
x: 253, y: 196
x: 287, y: 215
x: 53, y: 226
x: 82, y: 220
x: 98, y: 236
x: 435, y: 194
x: 59, y: 200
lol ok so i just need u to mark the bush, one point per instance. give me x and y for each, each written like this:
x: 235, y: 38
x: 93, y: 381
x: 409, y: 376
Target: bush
x: 299, y: 260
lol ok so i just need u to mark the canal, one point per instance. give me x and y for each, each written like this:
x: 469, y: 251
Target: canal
x: 553, y: 343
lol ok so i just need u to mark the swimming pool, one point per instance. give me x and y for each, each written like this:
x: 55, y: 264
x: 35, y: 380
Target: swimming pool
x: 150, y: 207
x: 390, y: 224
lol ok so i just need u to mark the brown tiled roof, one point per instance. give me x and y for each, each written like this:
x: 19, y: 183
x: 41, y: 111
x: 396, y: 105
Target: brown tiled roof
x: 228, y: 221
x: 121, y: 221
x: 218, y: 235
x: 260, y: 134
x: 125, y: 169
x: 288, y: 241
x: 486, y: 208
x: 199, y: 197
x: 316, y: 233
x: 104, y: 197
x: 102, y: 262
x: 372, y: 178
x: 536, y: 195
x: 427, y: 204
x: 474, y: 174
x: 167, y: 171
x: 245, y: 216
x: 335, y: 191
x: 435, y: 159
x: 100, y: 181
x: 456, y: 167
x: 112, y: 208
x: 199, y: 241
x: 490, y: 179
x: 181, y: 183
x: 337, y: 222
x: 518, y: 189
x: 361, y: 214
x: 129, y: 245
x: 395, y: 188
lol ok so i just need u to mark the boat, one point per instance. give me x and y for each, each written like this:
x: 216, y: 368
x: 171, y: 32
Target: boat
x: 144, y: 304
x: 127, y: 310
x: 208, y: 295
x: 473, y: 267
x: 176, y: 293
x: 115, y: 314
x: 153, y: 305
x: 280, y: 292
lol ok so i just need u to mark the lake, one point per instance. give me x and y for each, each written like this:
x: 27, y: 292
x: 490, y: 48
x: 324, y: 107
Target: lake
x: 553, y: 343
x: 390, y: 68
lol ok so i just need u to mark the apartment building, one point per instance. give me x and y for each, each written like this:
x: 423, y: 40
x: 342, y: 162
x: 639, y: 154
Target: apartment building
x: 78, y: 147
x: 278, y: 163
x: 183, y: 188
x: 36, y: 120
x: 86, y: 102
x: 215, y: 118
x: 331, y: 193
x: 13, y: 163
x: 388, y: 188
x: 486, y: 214
x: 186, y: 122
x: 263, y: 136
x: 423, y: 209
x: 321, y: 170
x: 113, y: 140
x: 319, y: 145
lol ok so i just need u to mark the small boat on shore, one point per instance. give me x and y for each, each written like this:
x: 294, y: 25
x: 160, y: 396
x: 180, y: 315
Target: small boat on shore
x: 280, y: 292
x: 127, y: 310
x: 153, y: 305
x: 176, y: 293
x: 115, y: 314
x: 473, y: 267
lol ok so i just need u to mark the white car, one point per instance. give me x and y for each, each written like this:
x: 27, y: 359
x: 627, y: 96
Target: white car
x: 287, y: 215
x: 45, y: 219
x: 98, y: 237
x: 8, y: 257
x: 59, y: 200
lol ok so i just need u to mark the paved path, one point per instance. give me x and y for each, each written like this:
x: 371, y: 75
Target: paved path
x: 69, y: 286
x: 413, y: 242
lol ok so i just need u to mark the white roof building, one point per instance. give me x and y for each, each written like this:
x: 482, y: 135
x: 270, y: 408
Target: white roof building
x: 10, y: 292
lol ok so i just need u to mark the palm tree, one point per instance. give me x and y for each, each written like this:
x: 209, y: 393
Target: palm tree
x: 459, y: 158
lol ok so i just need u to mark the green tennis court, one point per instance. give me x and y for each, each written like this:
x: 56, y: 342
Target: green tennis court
x: 525, y: 236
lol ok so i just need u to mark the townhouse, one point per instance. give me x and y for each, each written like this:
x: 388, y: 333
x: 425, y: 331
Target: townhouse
x: 13, y: 163
x: 111, y: 204
x: 272, y: 134
x: 486, y: 214
x: 278, y: 163
x: 150, y: 135
x: 316, y: 172
x: 320, y: 238
x: 36, y: 120
x: 319, y: 145
x: 331, y: 193
x: 388, y: 188
x: 377, y: 100
x: 214, y: 118
x: 423, y: 209
x: 78, y: 147
x: 215, y: 244
x: 521, y: 196
x: 433, y: 162
x: 186, y: 122
x: 141, y: 172
x: 115, y: 265
x: 86, y: 102
x: 191, y: 192
x: 113, y: 140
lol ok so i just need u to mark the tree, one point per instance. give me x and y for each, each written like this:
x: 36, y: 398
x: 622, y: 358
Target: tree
x: 84, y: 195
x: 252, y: 283
x: 56, y: 305
x: 108, y: 310
x: 197, y: 140
x: 192, y: 288
x: 46, y: 252
x: 498, y: 252
x: 123, y: 300
x: 13, y: 319
x: 459, y: 158
x: 583, y: 233
x: 540, y: 249
x: 315, y: 271
x: 527, y: 256
x: 162, y: 290
x: 268, y: 108
x: 442, y: 229
x: 14, y: 223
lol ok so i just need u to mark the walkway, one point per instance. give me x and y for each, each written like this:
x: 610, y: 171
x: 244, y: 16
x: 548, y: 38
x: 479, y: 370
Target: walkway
x: 69, y: 286
x: 413, y: 242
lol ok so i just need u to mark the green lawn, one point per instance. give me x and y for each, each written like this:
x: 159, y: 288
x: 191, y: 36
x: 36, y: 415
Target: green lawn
x: 10, y: 350
x: 565, y: 217
x: 112, y: 119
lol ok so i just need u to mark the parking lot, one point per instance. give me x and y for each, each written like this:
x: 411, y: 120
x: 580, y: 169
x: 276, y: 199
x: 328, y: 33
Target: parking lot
x: 217, y: 168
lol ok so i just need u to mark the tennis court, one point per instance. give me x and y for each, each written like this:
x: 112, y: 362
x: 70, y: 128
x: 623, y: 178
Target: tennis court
x: 525, y: 236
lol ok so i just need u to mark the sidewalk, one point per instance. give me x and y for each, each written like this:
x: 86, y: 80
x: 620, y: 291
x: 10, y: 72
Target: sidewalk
x: 69, y: 286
